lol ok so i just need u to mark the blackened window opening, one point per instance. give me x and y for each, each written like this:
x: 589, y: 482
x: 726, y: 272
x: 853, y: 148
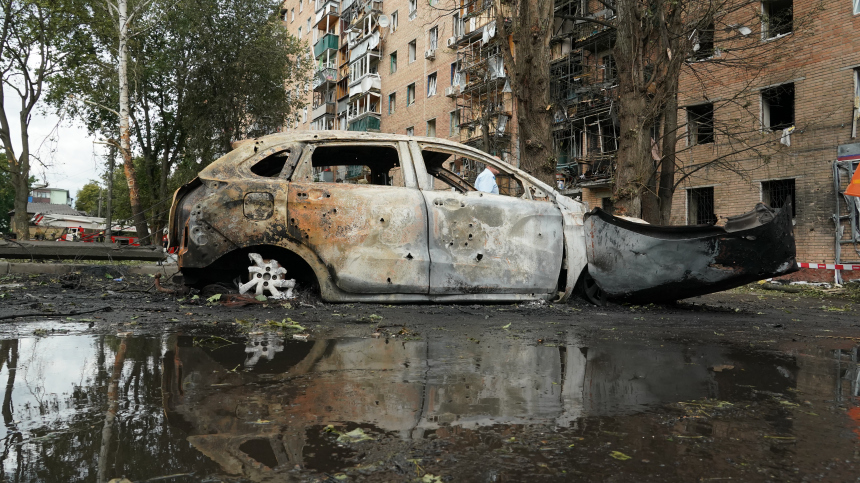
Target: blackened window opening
x: 701, y: 123
x: 778, y: 17
x: 778, y: 106
x: 776, y: 193
x: 704, y: 48
x: 701, y: 206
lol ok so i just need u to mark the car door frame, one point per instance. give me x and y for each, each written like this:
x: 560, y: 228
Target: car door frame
x: 512, y: 267
x: 396, y: 259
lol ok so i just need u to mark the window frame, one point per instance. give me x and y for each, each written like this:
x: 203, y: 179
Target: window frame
x: 392, y: 61
x: 695, y: 121
x: 767, y: 27
x: 765, y: 103
x: 769, y: 203
x: 691, y: 194
x: 413, y: 50
x: 432, y: 83
x: 392, y: 103
x: 394, y: 20
x: 410, y: 94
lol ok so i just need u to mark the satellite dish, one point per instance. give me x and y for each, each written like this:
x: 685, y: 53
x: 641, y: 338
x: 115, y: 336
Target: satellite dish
x: 745, y: 31
x: 366, y: 84
x: 383, y: 21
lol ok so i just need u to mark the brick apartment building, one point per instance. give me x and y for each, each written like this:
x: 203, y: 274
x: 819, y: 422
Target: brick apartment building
x: 434, y: 68
x: 797, y: 112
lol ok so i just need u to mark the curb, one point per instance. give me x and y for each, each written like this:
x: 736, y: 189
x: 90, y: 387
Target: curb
x: 62, y: 268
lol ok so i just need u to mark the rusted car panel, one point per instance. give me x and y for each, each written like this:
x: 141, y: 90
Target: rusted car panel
x: 375, y: 242
x: 647, y: 263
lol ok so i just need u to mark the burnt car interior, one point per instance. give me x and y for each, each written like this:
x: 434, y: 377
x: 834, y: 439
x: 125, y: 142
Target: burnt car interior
x: 382, y: 163
x: 271, y: 166
x: 461, y: 168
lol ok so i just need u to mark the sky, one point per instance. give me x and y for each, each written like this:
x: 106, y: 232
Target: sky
x: 71, y: 156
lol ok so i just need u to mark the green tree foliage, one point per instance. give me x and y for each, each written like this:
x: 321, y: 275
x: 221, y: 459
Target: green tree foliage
x: 7, y: 194
x: 204, y: 73
x: 87, y: 198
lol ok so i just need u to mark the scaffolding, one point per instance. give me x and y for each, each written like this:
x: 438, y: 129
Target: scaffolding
x: 484, y: 100
x: 582, y: 91
x: 846, y: 216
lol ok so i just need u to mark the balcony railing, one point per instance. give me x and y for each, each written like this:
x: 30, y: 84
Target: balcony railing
x: 367, y: 123
x: 326, y: 4
x: 329, y: 41
x: 323, y: 109
x: 324, y: 76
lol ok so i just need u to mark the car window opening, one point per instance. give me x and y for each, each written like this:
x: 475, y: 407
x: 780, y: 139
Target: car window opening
x: 351, y: 164
x: 271, y: 166
x: 459, y: 172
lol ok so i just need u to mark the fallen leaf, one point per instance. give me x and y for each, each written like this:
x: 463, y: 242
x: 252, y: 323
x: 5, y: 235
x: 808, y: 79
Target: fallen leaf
x: 619, y: 456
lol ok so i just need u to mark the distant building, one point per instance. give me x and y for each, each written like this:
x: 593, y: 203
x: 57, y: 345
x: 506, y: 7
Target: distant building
x: 54, y: 196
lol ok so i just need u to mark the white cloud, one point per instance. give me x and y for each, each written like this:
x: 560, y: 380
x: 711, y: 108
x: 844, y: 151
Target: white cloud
x: 69, y: 152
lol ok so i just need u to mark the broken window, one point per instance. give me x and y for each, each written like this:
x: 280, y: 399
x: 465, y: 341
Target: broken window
x: 392, y: 103
x: 777, y: 18
x: 856, y: 7
x: 410, y: 131
x: 412, y: 46
x: 431, y: 128
x: 703, y: 48
x: 410, y: 94
x: 607, y: 205
x: 700, y: 206
x: 393, y: 58
x: 433, y: 38
x: 455, y: 123
x: 700, y: 124
x: 357, y: 164
x: 431, y: 85
x: 610, y: 69
x: 458, y: 172
x: 394, y: 21
x: 413, y: 9
x: 776, y: 192
x: 777, y: 106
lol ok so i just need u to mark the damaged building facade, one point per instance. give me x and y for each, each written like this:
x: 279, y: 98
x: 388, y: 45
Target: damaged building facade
x: 435, y: 69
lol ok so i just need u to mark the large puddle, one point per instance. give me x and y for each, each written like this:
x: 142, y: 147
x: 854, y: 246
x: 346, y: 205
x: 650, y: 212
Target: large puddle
x: 182, y: 408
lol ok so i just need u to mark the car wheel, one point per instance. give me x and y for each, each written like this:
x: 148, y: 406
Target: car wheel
x: 591, y: 291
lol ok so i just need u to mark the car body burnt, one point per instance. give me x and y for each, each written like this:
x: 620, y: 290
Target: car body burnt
x: 386, y: 218
x: 403, y: 228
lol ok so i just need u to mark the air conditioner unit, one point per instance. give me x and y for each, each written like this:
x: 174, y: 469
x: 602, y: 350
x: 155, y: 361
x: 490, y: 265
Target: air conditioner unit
x: 451, y: 91
x: 430, y: 54
x: 451, y: 41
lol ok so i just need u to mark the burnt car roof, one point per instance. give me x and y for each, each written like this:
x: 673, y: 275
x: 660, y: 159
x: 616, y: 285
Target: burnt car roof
x: 224, y: 166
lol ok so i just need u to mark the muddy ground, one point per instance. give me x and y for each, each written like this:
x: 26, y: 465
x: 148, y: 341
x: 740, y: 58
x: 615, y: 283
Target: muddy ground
x: 749, y: 385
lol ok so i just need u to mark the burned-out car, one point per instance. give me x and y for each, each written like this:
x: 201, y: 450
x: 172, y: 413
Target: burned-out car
x: 384, y: 217
x: 378, y: 217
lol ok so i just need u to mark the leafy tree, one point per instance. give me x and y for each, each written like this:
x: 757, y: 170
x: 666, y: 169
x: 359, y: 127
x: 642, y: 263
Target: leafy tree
x: 33, y: 41
x: 204, y: 73
x: 87, y: 198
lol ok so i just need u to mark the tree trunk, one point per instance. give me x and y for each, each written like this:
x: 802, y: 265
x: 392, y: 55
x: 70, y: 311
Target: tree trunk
x: 110, y: 415
x: 667, y: 166
x: 634, y: 165
x: 125, y: 134
x: 527, y: 69
x: 20, y: 183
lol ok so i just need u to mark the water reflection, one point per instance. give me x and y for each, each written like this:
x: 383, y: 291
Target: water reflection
x: 271, y: 416
x: 83, y: 408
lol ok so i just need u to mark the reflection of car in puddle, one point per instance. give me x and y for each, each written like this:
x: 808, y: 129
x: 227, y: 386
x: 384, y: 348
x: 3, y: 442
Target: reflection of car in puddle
x: 270, y: 415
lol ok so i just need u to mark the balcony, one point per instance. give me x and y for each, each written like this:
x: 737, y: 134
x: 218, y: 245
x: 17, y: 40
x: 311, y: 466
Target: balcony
x: 367, y: 123
x: 329, y: 41
x: 323, y: 109
x: 326, y: 5
x: 324, y: 76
